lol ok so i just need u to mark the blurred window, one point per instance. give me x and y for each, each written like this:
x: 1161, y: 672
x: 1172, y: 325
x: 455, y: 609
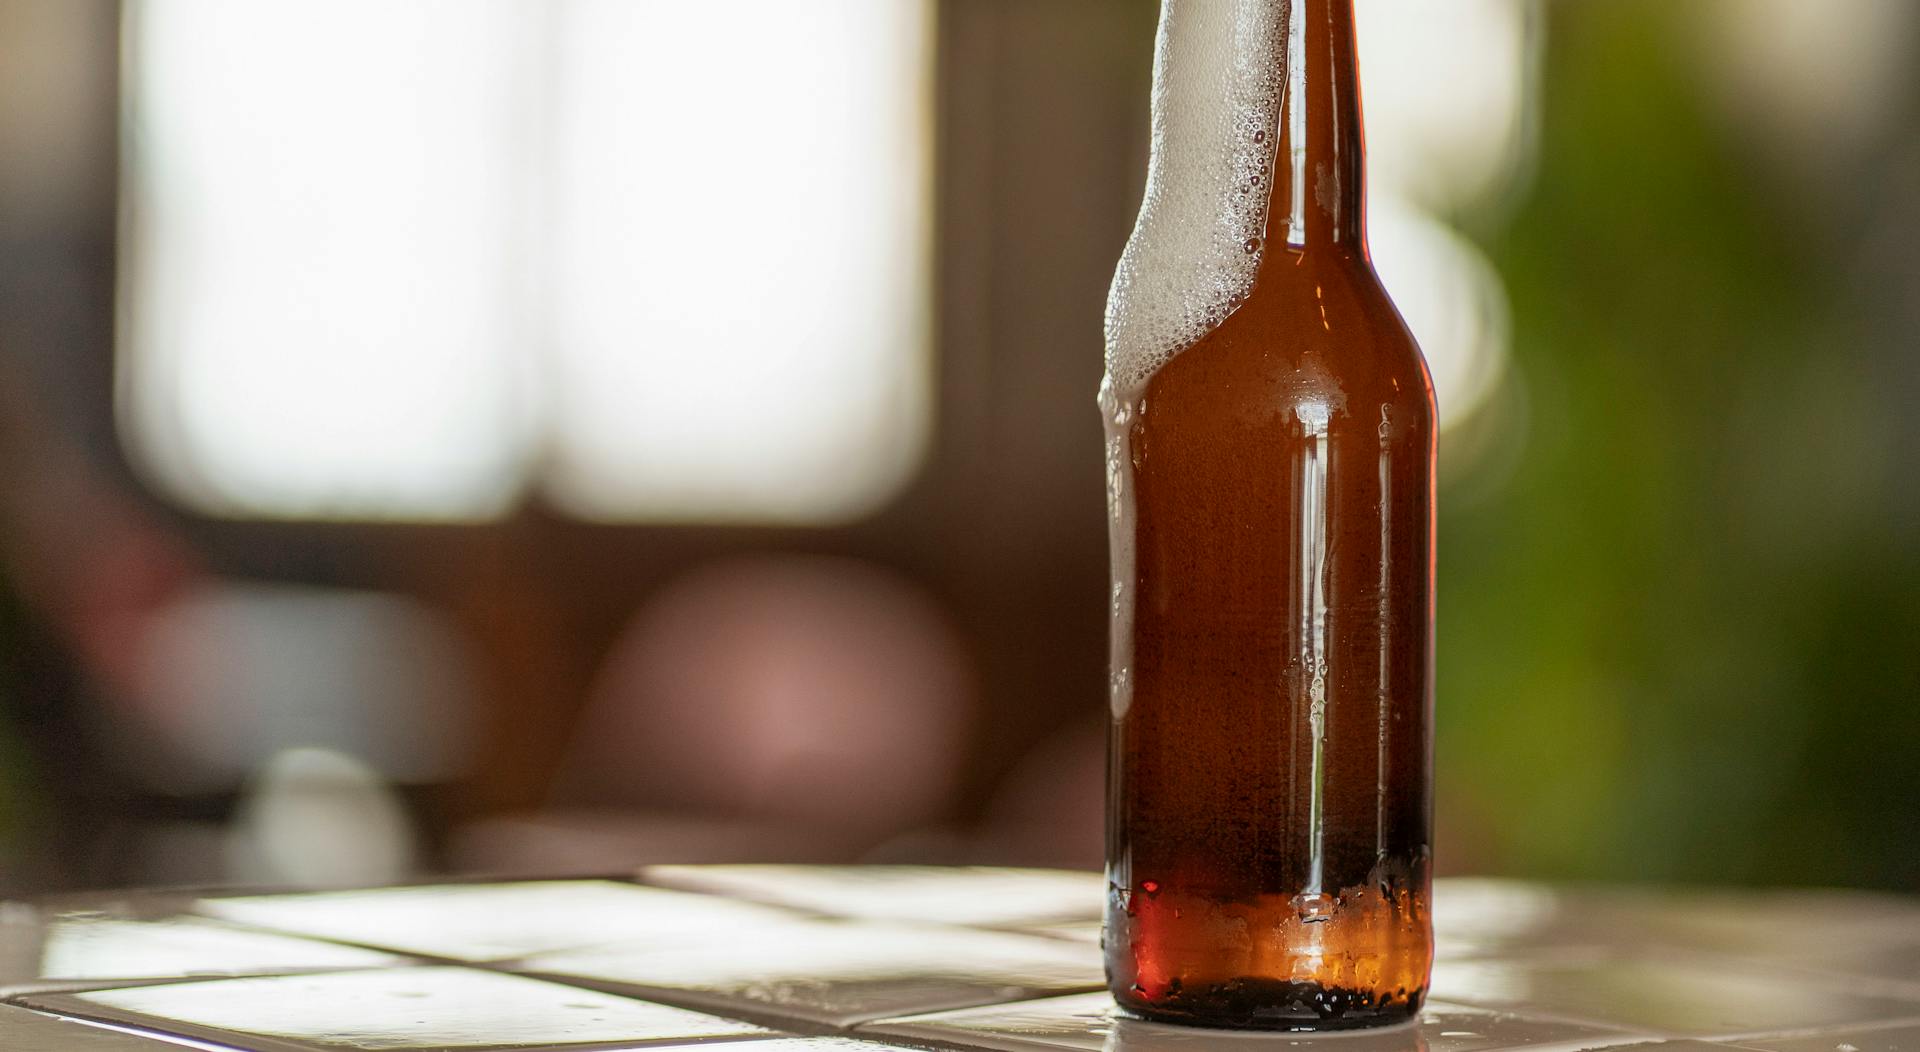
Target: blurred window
x: 1436, y: 154
x: 658, y: 261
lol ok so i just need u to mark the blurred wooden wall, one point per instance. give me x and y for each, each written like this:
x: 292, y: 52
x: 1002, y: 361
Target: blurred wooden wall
x: 1042, y: 108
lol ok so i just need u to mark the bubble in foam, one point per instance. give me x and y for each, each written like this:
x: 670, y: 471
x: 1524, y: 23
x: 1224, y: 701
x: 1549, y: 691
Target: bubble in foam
x: 1199, y: 239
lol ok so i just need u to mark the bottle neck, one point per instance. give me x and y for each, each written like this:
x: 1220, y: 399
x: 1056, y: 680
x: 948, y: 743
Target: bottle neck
x: 1319, y: 168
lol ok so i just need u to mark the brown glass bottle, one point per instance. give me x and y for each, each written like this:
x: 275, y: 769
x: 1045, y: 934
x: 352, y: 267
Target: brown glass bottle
x: 1273, y: 532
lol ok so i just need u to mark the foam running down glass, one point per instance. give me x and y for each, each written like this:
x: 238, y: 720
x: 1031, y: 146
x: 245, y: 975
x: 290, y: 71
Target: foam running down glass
x: 1270, y: 444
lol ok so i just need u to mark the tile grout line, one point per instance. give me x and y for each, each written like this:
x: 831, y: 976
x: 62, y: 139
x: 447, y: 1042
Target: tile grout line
x: 807, y: 1027
x: 1547, y: 1015
x: 1858, y: 1027
x: 156, y: 1036
x: 792, y: 1027
x: 192, y: 1034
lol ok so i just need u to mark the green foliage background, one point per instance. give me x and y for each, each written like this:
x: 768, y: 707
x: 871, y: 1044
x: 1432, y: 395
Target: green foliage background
x: 1679, y: 605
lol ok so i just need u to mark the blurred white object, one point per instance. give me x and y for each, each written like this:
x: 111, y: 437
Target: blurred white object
x: 1449, y: 91
x: 1451, y: 101
x: 318, y: 284
x: 675, y: 256
x: 741, y: 257
x: 319, y: 819
x: 1812, y: 78
x: 1451, y: 298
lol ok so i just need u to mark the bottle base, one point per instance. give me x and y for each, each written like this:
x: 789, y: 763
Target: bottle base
x: 1272, y: 1004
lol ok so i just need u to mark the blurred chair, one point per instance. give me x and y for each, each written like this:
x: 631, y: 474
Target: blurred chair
x: 313, y: 707
x: 1050, y: 810
x: 791, y: 708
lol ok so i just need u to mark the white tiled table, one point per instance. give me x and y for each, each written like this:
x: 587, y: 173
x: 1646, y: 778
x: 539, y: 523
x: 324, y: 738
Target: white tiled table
x: 811, y: 959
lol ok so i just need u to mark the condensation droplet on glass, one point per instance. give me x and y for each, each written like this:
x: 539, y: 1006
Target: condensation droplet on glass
x: 1313, y: 908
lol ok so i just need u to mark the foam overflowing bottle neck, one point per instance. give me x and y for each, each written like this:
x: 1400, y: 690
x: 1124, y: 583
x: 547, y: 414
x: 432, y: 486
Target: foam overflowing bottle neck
x: 1256, y: 162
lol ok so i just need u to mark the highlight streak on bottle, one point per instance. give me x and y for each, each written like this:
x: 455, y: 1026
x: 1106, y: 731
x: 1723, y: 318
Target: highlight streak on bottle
x: 1313, y: 417
x: 1383, y: 698
x: 1202, y: 229
x: 1297, y: 129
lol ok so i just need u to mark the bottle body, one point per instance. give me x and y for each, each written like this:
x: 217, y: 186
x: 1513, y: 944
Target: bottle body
x: 1271, y: 513
x: 1269, y: 811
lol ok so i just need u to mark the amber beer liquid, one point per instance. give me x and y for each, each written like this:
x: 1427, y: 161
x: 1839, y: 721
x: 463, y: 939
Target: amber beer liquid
x: 1270, y: 442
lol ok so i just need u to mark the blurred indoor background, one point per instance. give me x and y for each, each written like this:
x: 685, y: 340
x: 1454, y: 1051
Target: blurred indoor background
x: 529, y: 436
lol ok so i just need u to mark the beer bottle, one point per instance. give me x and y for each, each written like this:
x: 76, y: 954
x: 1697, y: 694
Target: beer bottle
x: 1270, y: 454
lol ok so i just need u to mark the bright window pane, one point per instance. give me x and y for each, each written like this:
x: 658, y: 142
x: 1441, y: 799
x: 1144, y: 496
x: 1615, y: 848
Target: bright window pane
x: 740, y: 266
x: 1445, y: 85
x: 1432, y: 153
x: 383, y: 258
x: 320, y: 301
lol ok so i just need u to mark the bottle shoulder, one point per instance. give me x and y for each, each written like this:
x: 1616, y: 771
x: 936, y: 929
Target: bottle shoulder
x: 1317, y: 336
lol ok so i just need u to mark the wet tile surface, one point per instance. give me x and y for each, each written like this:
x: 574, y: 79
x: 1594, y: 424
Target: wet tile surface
x: 1090, y: 1023
x: 864, y: 960
x: 1903, y: 1037
x: 1077, y: 931
x: 1480, y: 917
x: 1827, y: 929
x: 796, y: 1044
x: 978, y: 896
x: 482, y: 922
x: 22, y: 1030
x: 413, y: 1008
x: 839, y: 972
x: 1667, y: 996
x: 41, y: 949
x: 1680, y: 1045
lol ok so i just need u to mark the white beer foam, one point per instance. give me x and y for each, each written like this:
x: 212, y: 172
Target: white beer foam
x: 1201, y: 233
